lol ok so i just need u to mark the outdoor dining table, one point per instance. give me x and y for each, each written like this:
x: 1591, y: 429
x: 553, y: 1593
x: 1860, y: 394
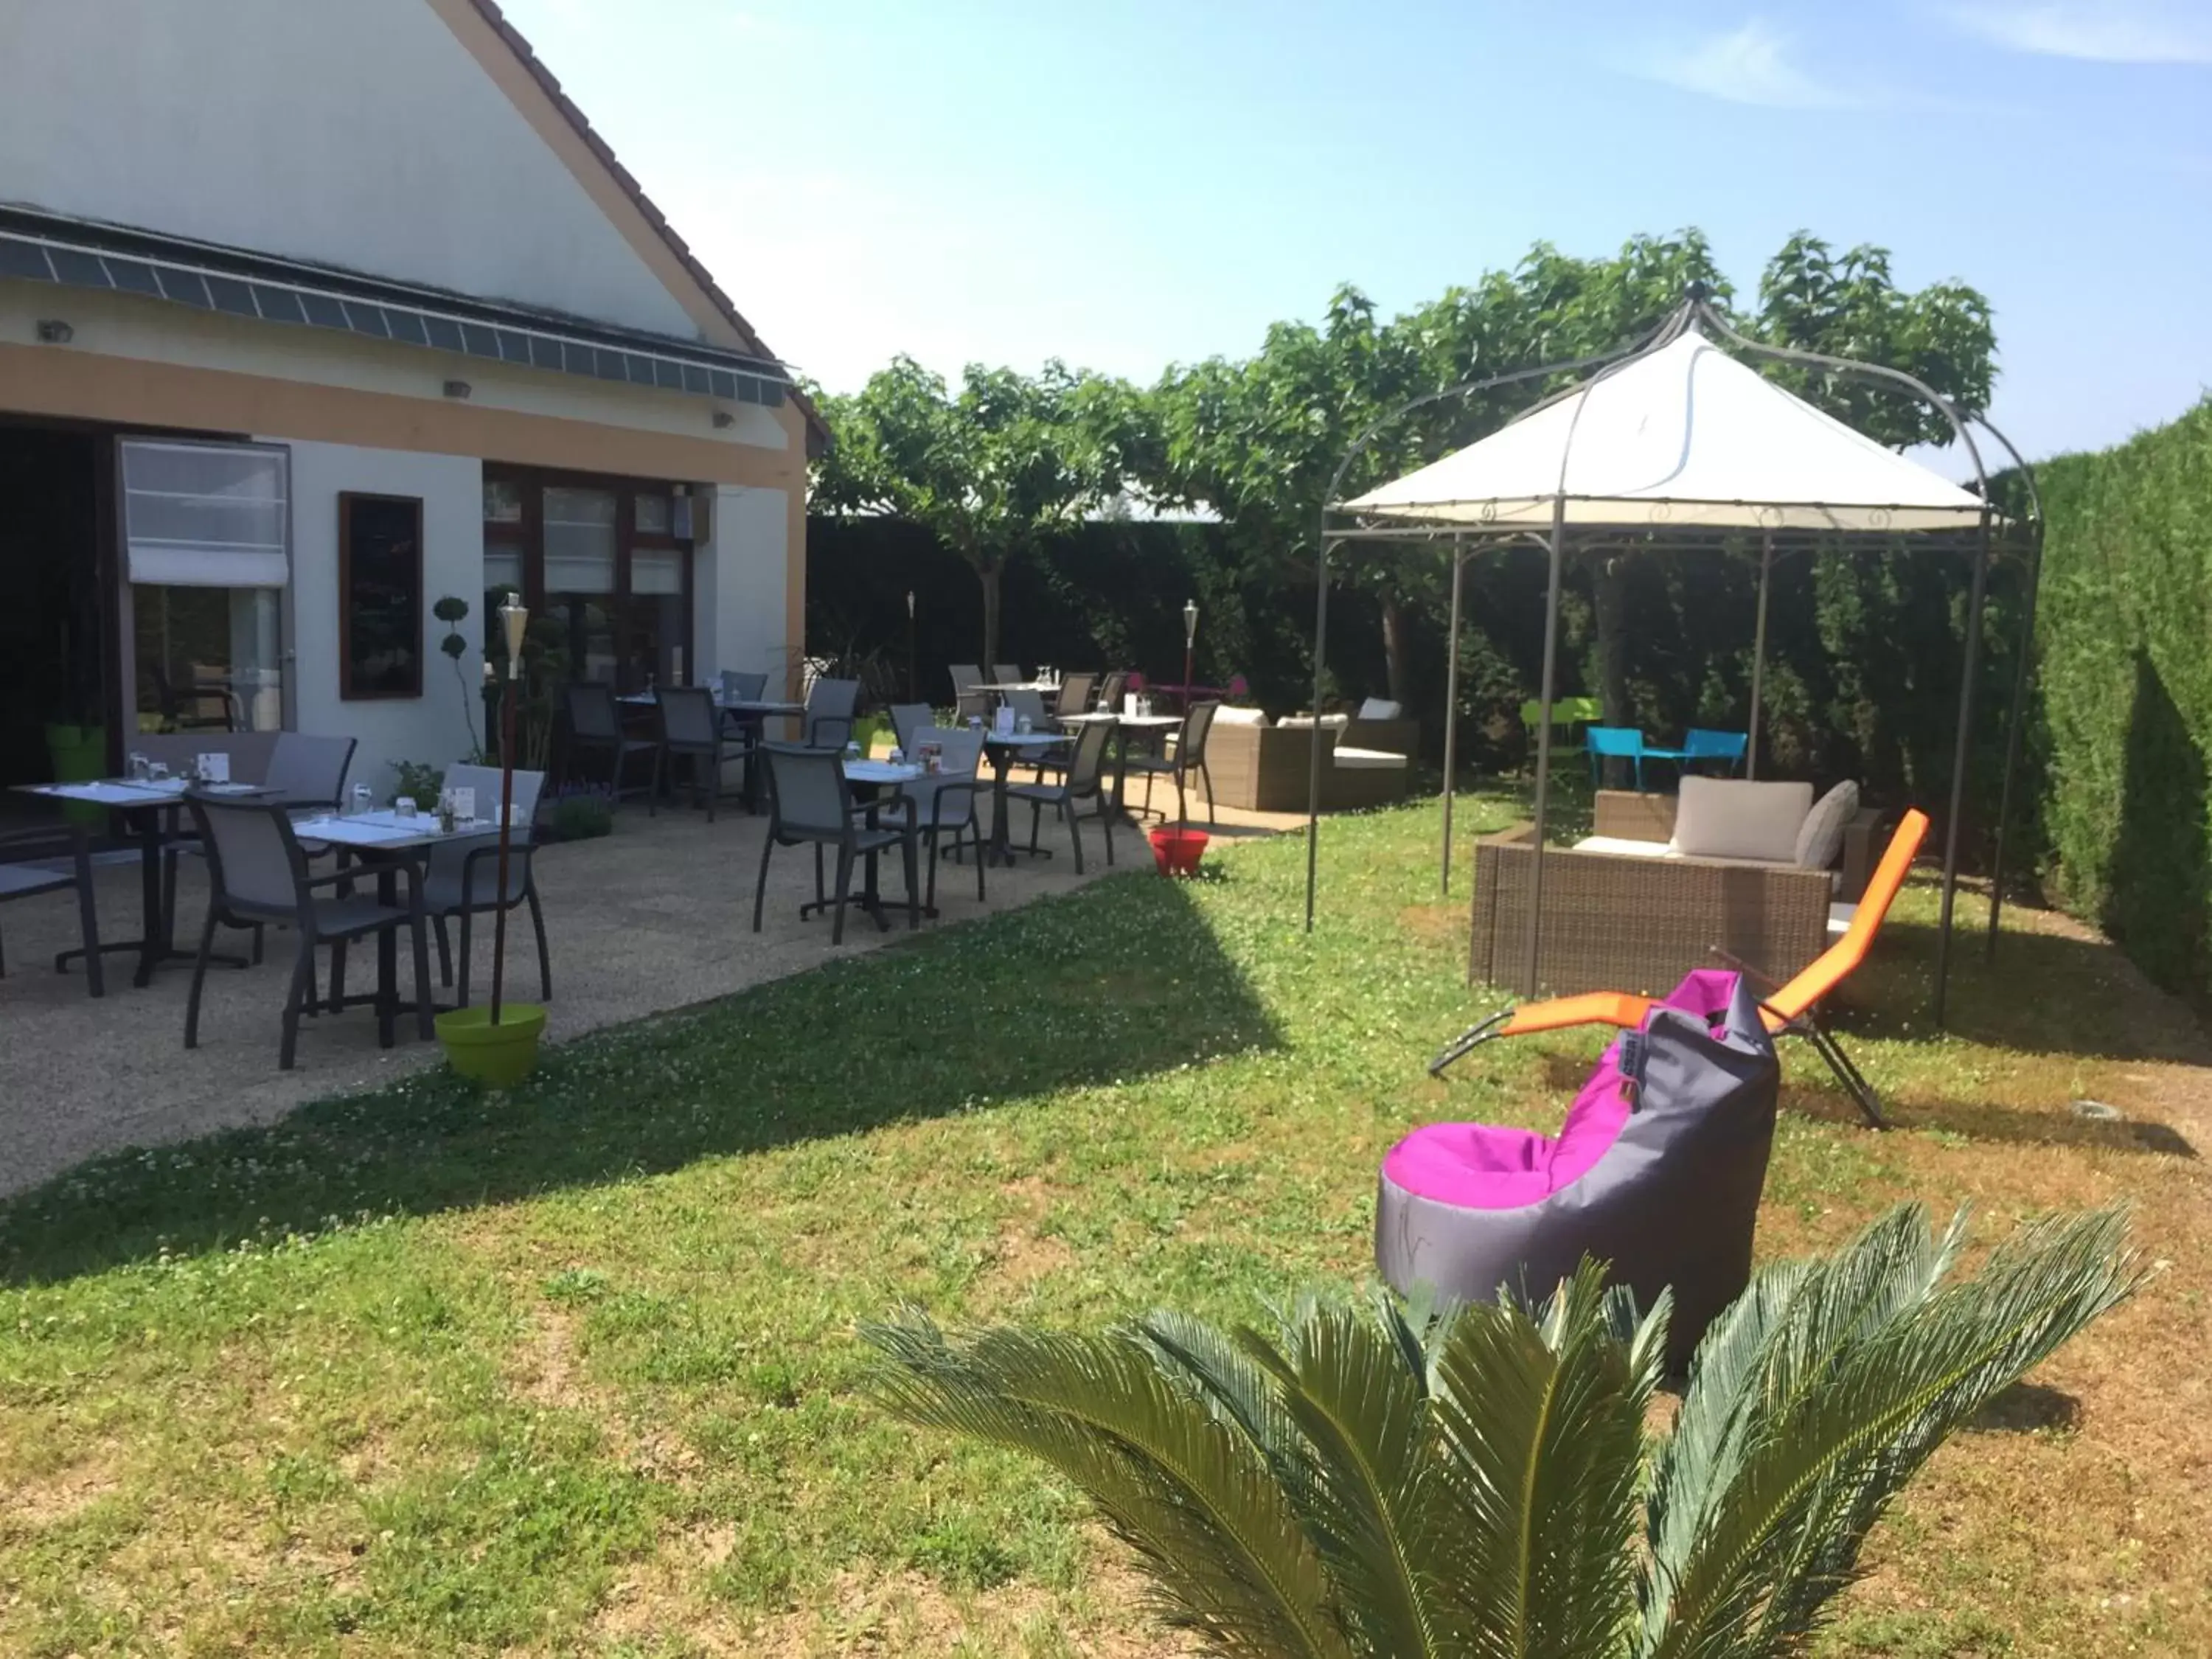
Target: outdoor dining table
x: 149, y: 809
x: 1004, y: 748
x: 873, y: 781
x: 383, y: 841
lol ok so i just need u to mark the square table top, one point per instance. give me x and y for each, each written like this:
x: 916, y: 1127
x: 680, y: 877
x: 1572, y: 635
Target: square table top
x: 131, y: 792
x: 387, y: 831
x: 1025, y: 739
x: 1015, y: 685
x: 876, y: 771
x: 1140, y: 722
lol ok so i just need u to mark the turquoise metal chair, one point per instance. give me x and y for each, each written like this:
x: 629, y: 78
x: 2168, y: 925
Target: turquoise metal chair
x: 1614, y: 742
x: 1699, y: 743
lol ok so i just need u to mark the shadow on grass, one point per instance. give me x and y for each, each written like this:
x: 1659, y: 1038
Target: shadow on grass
x: 2025, y: 1408
x: 1117, y: 981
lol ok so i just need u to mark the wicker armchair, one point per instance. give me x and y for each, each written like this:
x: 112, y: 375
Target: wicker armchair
x: 1614, y: 923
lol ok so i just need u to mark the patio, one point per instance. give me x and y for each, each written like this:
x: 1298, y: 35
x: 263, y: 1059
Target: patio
x: 654, y: 917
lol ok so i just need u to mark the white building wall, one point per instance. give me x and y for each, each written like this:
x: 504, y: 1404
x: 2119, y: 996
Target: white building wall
x: 433, y: 728
x: 743, y: 584
x: 359, y: 133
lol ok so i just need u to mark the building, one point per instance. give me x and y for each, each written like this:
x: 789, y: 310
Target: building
x: 313, y: 313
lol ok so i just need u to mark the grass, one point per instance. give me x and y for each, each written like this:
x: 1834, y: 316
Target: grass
x: 571, y: 1371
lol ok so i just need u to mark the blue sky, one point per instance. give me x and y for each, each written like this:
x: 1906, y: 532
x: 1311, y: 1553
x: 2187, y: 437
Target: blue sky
x: 1129, y: 184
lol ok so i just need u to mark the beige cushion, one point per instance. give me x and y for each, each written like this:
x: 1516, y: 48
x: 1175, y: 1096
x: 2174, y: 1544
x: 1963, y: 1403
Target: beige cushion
x: 1369, y: 760
x: 1304, y: 722
x: 1226, y: 715
x: 1821, y: 838
x: 1737, y: 818
x: 1378, y: 709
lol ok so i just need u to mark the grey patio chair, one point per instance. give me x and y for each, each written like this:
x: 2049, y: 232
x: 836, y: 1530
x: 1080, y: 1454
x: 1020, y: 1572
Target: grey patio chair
x: 811, y: 803
x: 1110, y: 690
x: 1006, y: 673
x: 911, y: 722
x: 967, y: 701
x: 463, y: 877
x: 50, y: 875
x: 1086, y: 781
x: 1184, y: 759
x: 308, y: 773
x: 1075, y: 691
x: 690, y: 730
x: 595, y: 726
x: 947, y: 804
x: 1029, y: 705
x: 739, y: 687
x: 830, y: 706
x: 260, y: 875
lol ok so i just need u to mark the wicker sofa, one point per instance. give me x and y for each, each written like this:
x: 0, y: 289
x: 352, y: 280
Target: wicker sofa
x: 1621, y: 921
x: 1259, y: 768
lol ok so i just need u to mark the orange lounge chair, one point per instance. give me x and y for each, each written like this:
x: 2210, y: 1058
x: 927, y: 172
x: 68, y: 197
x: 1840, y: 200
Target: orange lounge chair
x: 1787, y: 1010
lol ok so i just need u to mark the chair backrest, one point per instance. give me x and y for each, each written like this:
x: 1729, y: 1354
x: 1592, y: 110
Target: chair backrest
x: 1841, y: 960
x: 963, y: 750
x: 966, y: 677
x: 309, y: 771
x: 252, y: 855
x: 1084, y: 767
x: 1565, y: 711
x: 484, y: 780
x: 1030, y: 703
x: 1006, y: 673
x: 910, y: 722
x: 1197, y: 725
x: 1075, y: 691
x: 1700, y: 743
x: 592, y: 715
x: 1111, y: 689
x: 830, y: 707
x: 1623, y: 740
x: 739, y: 687
x: 807, y: 789
x: 687, y: 716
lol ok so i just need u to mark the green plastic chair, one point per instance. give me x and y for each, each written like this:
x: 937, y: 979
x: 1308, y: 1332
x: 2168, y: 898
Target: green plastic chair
x: 1569, y: 714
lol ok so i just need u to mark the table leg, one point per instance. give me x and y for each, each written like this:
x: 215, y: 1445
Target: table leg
x: 871, y: 898
x: 152, y: 931
x: 1002, y: 848
x: 387, y: 956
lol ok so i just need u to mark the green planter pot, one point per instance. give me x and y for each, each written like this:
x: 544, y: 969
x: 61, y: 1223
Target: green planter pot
x: 499, y: 1056
x: 79, y: 753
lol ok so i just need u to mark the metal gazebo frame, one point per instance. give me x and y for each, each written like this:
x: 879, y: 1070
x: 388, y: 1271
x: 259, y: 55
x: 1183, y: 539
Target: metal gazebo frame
x: 1696, y: 310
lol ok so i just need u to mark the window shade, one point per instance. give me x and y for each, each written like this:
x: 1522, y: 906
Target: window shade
x: 206, y: 515
x: 502, y: 567
x: 580, y: 541
x: 656, y: 572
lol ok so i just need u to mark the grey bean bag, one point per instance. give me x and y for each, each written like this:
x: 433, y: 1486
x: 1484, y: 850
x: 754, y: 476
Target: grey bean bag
x: 1657, y: 1171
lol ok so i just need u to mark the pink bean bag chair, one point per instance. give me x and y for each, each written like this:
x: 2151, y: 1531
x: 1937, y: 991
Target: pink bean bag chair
x: 1657, y: 1171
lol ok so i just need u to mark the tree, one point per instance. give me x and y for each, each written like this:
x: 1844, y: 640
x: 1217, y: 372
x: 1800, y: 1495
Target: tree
x: 991, y: 470
x: 1381, y: 1481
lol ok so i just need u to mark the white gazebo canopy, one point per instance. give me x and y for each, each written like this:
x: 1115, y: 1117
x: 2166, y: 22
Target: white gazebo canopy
x: 1684, y: 437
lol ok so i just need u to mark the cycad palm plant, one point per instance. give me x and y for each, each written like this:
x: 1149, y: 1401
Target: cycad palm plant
x: 1379, y: 1480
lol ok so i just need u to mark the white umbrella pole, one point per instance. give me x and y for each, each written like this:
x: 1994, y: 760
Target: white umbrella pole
x: 1544, y: 744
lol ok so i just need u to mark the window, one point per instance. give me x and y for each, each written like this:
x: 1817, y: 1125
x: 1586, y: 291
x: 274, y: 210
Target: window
x: 608, y: 559
x: 379, y: 596
x: 207, y: 555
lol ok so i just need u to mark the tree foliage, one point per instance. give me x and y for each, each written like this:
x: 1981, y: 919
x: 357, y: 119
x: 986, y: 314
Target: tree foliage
x: 992, y: 469
x: 1384, y: 1480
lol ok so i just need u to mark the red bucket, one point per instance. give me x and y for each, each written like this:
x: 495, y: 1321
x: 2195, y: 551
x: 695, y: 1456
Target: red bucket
x: 1177, y: 851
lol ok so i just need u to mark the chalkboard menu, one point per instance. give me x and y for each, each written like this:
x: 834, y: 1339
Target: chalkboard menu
x: 379, y: 596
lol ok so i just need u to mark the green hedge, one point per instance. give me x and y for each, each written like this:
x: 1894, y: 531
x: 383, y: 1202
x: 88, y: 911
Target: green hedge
x: 2125, y: 632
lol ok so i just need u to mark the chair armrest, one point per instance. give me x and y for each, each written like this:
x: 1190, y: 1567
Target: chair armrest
x: 1856, y: 867
x: 490, y: 851
x: 1628, y: 816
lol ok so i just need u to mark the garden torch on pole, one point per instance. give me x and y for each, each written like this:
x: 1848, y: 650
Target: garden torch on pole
x: 512, y: 618
x: 1190, y: 656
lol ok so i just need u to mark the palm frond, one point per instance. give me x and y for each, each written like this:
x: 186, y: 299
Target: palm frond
x: 1370, y: 1502
x: 1194, y: 1497
x: 1830, y: 1387
x: 1541, y: 1421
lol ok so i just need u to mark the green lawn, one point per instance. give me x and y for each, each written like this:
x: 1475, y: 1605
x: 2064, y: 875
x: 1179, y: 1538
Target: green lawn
x: 571, y: 1371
